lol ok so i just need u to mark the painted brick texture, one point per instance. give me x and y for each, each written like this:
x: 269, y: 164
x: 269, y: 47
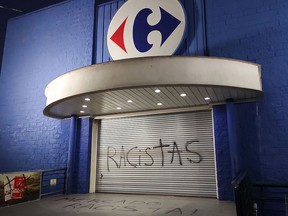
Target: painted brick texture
x: 40, y: 47
x: 257, y: 31
x: 235, y: 148
x: 222, y: 153
x: 82, y: 156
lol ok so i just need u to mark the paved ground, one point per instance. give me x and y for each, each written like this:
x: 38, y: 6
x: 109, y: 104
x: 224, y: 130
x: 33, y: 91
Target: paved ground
x: 122, y: 205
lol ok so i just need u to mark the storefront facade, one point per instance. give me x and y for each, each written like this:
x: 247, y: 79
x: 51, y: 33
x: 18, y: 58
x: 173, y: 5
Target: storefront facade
x: 188, y: 149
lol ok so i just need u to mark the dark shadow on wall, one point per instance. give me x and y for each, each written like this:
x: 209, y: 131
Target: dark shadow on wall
x: 236, y: 144
x: 4, y: 16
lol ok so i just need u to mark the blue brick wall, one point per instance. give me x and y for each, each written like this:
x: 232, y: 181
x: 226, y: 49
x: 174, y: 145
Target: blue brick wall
x: 236, y: 144
x: 257, y: 31
x: 83, y: 156
x: 39, y: 47
x: 248, y: 138
x: 222, y: 153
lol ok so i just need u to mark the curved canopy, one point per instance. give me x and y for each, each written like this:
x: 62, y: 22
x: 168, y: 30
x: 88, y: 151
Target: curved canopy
x: 127, y: 86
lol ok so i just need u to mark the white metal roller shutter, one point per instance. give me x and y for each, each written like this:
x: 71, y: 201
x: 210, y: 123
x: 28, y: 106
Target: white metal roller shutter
x: 131, y: 159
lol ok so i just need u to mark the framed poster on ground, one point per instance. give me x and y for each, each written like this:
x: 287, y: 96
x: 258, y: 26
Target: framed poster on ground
x: 19, y: 187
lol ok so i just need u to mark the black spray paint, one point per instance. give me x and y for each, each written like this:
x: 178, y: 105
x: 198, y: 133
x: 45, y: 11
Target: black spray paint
x: 119, y: 160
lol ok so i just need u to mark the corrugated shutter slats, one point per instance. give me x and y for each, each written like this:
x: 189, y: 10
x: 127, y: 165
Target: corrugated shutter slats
x: 131, y: 159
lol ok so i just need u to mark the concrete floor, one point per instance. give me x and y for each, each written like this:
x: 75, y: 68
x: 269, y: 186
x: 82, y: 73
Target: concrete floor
x: 122, y: 205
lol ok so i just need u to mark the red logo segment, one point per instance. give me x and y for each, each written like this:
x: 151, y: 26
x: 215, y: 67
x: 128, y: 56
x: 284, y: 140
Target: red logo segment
x: 118, y: 36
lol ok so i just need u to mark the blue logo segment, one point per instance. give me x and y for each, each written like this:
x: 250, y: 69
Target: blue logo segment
x: 142, y: 29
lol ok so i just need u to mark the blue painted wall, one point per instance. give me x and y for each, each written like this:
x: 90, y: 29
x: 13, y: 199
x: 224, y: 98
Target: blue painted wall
x: 40, y: 47
x: 238, y: 162
x: 236, y: 144
x: 257, y: 31
x: 45, y: 44
x: 222, y: 153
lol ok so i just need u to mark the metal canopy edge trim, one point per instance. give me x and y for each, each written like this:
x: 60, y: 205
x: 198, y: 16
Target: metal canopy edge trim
x: 165, y: 71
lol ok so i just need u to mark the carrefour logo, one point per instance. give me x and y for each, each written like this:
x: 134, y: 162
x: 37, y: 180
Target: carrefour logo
x: 146, y: 28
